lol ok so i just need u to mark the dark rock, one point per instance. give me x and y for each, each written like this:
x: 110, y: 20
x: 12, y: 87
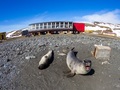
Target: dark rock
x: 8, y: 60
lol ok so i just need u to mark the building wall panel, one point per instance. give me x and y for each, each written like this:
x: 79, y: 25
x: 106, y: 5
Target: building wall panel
x: 79, y: 27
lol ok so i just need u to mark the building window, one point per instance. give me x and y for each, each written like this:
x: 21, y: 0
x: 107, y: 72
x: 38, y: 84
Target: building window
x: 41, y: 25
x: 61, y: 25
x: 32, y: 26
x: 66, y: 24
x: 49, y: 25
x: 45, y: 23
x: 45, y: 26
x: 37, y: 26
x: 57, y: 25
x: 70, y: 24
x: 53, y: 24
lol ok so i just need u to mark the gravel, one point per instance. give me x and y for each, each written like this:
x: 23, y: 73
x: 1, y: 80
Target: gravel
x: 15, y: 54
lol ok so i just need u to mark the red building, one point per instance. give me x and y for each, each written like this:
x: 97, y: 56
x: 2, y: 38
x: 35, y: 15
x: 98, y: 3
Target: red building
x: 79, y: 27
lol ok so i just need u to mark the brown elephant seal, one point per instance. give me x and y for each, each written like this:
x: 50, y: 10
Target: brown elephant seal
x: 46, y: 60
x: 76, y: 65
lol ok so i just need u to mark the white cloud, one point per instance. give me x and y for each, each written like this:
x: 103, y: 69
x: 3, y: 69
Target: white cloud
x: 102, y: 16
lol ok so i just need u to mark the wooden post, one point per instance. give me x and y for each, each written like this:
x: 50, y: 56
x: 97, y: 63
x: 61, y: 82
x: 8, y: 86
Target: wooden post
x: 61, y: 32
x: 38, y: 33
x: 32, y: 34
x: 48, y: 33
x: 68, y: 32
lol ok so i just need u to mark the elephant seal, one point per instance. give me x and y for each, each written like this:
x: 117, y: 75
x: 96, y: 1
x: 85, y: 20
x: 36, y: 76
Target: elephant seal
x: 76, y: 65
x: 46, y: 60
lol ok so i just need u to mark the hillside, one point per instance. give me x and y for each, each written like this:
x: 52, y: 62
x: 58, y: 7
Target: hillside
x: 13, y: 34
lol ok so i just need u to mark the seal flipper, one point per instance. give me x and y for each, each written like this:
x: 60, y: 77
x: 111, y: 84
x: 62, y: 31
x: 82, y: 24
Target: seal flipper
x: 72, y: 48
x: 66, y: 72
x: 71, y: 75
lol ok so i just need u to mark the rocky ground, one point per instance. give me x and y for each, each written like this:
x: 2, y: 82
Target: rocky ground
x: 19, y: 63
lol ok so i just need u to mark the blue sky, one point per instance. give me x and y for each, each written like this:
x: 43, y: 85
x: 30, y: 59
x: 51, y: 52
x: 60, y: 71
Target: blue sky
x: 17, y: 14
